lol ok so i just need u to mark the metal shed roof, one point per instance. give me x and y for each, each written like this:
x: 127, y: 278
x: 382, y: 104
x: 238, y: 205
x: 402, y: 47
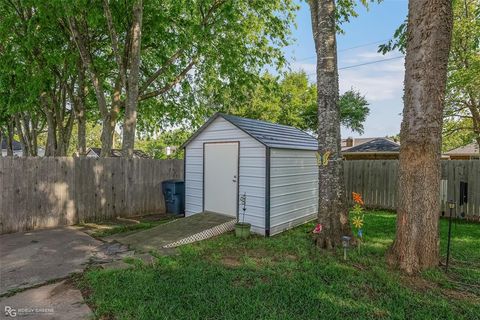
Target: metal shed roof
x: 270, y: 134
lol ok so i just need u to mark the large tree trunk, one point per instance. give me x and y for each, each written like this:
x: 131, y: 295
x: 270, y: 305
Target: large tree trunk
x: 416, y: 245
x: 133, y: 78
x: 332, y: 205
x: 108, y: 130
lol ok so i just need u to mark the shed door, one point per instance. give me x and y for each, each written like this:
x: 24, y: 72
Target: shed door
x: 221, y: 177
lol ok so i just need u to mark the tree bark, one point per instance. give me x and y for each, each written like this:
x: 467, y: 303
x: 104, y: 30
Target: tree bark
x: 80, y: 112
x: 133, y: 79
x: 416, y: 246
x: 332, y: 205
x: 10, y: 132
x: 23, y: 138
x: 51, y: 143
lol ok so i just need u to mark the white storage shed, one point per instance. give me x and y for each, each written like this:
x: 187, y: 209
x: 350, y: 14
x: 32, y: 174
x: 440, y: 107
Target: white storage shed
x: 274, y: 165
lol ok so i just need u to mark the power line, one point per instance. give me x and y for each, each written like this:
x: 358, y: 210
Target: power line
x: 364, y: 64
x: 371, y: 62
x: 350, y: 48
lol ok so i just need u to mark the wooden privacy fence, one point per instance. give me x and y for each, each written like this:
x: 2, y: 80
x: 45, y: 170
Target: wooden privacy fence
x: 376, y: 181
x: 48, y: 192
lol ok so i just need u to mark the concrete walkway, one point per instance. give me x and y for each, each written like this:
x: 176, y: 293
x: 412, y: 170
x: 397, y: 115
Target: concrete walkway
x: 181, y: 231
x: 28, y: 259
x: 31, y: 259
x: 54, y: 301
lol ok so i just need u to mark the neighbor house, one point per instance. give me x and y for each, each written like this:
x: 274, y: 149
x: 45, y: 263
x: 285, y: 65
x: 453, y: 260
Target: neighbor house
x: 17, y: 149
x: 468, y: 152
x: 352, y: 142
x: 273, y: 166
x: 116, y: 153
x: 372, y: 149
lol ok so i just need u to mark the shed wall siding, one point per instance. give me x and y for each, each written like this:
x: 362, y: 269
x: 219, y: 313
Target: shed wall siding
x: 293, y: 188
x: 252, y: 171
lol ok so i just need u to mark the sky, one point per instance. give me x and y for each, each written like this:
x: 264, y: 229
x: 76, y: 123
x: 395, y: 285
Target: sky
x: 381, y: 83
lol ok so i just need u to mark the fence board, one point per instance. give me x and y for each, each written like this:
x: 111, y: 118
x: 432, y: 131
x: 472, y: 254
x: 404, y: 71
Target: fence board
x: 376, y: 180
x: 47, y: 192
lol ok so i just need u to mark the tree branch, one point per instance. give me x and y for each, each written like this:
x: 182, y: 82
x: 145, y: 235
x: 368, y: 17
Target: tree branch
x: 170, y: 85
x: 88, y: 63
x: 114, y: 38
x: 161, y: 70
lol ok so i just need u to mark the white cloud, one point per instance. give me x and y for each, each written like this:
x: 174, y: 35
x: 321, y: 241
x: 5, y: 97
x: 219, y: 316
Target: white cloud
x: 381, y: 83
x: 309, y: 68
x: 376, y: 87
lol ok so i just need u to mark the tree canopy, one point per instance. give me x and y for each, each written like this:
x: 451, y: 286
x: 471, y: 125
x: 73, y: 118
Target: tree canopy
x: 64, y: 60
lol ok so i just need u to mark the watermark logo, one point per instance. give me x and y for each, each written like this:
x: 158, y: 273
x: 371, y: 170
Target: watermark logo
x: 10, y: 312
x: 13, y: 312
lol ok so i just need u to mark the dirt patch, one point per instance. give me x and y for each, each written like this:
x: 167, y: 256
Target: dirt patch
x: 291, y: 257
x: 242, y: 283
x: 232, y: 262
x: 422, y: 285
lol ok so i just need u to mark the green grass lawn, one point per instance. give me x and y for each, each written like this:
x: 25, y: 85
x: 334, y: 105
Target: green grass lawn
x: 286, y: 277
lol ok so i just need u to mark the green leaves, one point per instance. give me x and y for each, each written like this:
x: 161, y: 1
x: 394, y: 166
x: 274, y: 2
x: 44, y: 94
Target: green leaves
x: 289, y: 100
x: 399, y: 41
x: 353, y: 110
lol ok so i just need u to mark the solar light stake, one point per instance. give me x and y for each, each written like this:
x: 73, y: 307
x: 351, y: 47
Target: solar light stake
x: 451, y: 205
x: 243, y: 201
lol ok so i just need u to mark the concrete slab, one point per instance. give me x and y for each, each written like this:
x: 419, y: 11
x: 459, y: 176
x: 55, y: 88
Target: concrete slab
x: 55, y: 301
x: 158, y: 237
x: 31, y: 258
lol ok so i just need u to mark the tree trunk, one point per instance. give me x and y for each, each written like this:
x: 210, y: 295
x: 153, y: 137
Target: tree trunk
x: 34, y: 135
x: 80, y: 113
x: 108, y: 129
x: 10, y: 132
x: 416, y: 246
x: 133, y: 78
x: 22, y: 136
x: 332, y: 206
x: 51, y: 143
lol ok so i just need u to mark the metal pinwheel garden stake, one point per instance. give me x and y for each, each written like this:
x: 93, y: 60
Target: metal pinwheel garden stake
x: 358, y: 216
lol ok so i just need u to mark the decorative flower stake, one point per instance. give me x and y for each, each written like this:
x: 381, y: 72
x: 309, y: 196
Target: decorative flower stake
x: 358, y: 216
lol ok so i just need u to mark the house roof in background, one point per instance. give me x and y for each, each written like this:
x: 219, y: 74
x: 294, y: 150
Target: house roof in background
x: 117, y: 153
x: 376, y: 145
x: 270, y: 134
x: 356, y: 142
x: 469, y: 149
x: 15, y: 144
